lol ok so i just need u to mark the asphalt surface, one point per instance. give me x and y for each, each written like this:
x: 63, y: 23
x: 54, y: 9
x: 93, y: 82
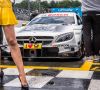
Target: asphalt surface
x: 50, y: 79
x: 40, y: 62
x: 74, y: 63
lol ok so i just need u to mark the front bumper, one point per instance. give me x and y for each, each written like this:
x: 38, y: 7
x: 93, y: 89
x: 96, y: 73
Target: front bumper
x: 30, y: 53
x: 44, y: 52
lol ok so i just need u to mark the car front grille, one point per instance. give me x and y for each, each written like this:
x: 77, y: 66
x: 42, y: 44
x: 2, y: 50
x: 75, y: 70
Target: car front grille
x: 45, y: 40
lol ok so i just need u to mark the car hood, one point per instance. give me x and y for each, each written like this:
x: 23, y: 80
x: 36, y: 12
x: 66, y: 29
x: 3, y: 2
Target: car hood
x: 45, y: 30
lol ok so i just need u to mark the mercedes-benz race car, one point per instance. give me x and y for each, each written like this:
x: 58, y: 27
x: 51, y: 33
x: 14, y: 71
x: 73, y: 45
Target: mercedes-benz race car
x: 51, y: 35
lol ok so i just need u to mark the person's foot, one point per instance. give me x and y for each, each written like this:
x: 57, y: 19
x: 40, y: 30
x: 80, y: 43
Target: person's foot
x: 96, y: 59
x: 23, y: 81
x: 88, y: 58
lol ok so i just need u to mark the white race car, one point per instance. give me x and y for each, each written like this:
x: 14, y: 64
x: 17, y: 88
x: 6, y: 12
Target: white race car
x: 51, y: 35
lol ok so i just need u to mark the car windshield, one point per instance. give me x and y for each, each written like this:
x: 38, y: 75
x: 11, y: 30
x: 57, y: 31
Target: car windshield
x: 53, y: 20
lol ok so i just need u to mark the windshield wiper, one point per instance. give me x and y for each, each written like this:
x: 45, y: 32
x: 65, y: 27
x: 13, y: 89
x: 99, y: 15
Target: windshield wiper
x: 64, y: 23
x: 40, y: 23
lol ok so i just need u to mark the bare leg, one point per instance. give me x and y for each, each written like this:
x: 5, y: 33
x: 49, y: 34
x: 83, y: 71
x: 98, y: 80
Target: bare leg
x: 15, y: 51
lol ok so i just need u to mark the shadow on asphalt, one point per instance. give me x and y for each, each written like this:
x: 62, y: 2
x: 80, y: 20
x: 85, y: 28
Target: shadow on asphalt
x: 55, y: 62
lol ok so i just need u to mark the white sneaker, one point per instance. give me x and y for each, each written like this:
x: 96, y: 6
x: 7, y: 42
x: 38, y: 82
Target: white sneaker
x: 96, y: 58
x: 90, y: 58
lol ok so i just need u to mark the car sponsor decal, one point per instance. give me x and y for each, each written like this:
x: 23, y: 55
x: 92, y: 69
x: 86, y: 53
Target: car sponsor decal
x: 32, y: 46
x: 40, y: 28
x: 65, y: 46
x: 58, y: 14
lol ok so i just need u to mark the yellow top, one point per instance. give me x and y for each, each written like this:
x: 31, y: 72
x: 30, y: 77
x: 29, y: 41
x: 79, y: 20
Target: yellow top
x: 7, y: 16
x: 5, y: 3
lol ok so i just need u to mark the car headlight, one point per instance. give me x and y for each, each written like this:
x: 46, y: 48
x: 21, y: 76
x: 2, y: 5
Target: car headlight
x: 64, y: 37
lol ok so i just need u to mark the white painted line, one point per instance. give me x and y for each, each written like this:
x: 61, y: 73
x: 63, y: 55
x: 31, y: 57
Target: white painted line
x: 75, y: 74
x: 94, y: 85
x: 14, y: 71
x: 33, y: 81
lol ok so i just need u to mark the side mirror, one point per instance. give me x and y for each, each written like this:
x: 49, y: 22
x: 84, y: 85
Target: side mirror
x: 23, y: 24
x: 79, y: 22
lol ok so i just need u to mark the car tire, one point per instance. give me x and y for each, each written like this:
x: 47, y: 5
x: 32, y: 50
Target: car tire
x: 81, y: 51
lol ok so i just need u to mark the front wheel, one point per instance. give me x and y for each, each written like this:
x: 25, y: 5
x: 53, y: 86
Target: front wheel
x: 81, y: 51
